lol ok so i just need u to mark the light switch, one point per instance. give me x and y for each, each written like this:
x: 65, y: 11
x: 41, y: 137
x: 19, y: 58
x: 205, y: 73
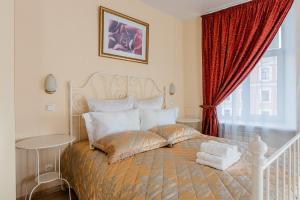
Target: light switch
x: 50, y: 107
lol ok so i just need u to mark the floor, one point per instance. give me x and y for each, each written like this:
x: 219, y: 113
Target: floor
x: 61, y: 195
x: 56, y: 196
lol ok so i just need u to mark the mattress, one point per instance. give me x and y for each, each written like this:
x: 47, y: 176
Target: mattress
x: 164, y: 173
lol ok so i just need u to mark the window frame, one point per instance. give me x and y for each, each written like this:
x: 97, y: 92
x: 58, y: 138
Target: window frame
x: 280, y: 74
x: 228, y: 99
x: 269, y: 90
x: 269, y: 76
x: 265, y: 110
x: 226, y: 109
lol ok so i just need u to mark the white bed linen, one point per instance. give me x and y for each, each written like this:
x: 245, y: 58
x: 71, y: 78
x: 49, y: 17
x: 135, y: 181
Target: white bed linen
x: 115, y: 105
x: 155, y: 103
x: 153, y: 118
x: 101, y: 124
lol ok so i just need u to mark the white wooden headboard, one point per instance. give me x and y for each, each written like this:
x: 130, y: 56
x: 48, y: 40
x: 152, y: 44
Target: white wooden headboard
x: 107, y: 86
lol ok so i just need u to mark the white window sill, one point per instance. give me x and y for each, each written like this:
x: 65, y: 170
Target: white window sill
x: 258, y: 126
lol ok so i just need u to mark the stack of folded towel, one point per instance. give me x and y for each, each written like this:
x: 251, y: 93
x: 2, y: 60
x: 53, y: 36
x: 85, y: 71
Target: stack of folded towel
x: 218, y: 155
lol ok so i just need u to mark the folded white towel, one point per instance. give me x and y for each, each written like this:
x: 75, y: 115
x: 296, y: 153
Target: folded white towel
x: 218, y: 149
x: 234, y: 147
x: 215, y: 161
x: 216, y: 166
x: 218, y: 160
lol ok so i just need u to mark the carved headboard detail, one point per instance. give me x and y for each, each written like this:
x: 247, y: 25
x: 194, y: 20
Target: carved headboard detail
x: 107, y: 86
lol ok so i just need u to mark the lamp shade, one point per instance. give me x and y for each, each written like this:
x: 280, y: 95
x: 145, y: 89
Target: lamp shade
x: 172, y: 89
x: 50, y: 84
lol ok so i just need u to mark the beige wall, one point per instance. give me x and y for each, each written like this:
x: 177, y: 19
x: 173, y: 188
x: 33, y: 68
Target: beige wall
x: 192, y: 67
x: 7, y: 133
x: 61, y: 37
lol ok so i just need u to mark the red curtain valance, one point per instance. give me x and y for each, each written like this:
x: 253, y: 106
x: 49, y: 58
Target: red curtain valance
x: 233, y: 42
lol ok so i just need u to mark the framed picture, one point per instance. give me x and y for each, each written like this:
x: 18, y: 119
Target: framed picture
x: 123, y: 37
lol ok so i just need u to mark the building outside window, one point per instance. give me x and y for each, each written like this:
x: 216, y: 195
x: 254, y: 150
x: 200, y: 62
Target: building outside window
x: 260, y: 94
x: 265, y: 112
x: 265, y: 95
x: 227, y: 112
x: 265, y: 73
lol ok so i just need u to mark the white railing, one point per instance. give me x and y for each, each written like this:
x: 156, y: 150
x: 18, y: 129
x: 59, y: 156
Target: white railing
x: 284, y: 164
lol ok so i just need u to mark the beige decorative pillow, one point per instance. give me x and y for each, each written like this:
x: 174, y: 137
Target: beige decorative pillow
x: 176, y: 133
x: 126, y: 144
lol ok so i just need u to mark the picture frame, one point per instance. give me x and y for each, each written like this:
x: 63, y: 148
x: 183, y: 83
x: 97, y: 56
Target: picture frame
x: 123, y: 37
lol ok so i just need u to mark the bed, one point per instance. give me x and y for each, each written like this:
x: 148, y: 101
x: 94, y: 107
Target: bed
x: 171, y: 173
x: 164, y: 173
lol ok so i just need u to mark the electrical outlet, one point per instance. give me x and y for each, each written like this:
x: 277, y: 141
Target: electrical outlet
x: 49, y: 168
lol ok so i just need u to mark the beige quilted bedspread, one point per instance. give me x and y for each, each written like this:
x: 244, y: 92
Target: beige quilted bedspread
x: 164, y: 173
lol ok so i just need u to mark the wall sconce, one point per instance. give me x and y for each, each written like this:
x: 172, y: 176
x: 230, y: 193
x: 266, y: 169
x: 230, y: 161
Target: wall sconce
x: 172, y: 89
x: 50, y: 84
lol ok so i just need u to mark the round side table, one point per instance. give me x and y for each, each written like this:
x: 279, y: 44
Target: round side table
x: 39, y: 143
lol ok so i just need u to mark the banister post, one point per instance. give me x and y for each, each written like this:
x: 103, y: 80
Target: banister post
x: 258, y: 150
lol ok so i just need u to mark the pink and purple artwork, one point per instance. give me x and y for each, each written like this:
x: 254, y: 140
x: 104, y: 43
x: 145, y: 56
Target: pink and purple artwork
x: 123, y: 37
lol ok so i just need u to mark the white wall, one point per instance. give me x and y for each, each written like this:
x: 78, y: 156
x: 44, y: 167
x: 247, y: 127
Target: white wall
x: 7, y: 135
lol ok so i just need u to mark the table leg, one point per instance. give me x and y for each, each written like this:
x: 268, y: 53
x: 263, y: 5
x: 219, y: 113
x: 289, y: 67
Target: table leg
x: 35, y: 187
x: 38, y: 173
x: 55, y: 160
x: 60, y: 176
x: 59, y: 172
x: 38, y: 165
x: 69, y: 187
x: 26, y: 192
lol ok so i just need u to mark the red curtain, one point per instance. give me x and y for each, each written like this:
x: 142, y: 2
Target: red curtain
x: 233, y: 42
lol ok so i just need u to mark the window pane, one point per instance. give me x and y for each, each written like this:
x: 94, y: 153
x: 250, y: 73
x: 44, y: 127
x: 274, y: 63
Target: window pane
x: 227, y: 108
x: 265, y: 96
x: 266, y: 87
x: 239, y: 101
x: 232, y: 105
x: 228, y: 99
x: 265, y: 112
x: 265, y: 73
x: 227, y: 112
x: 276, y: 43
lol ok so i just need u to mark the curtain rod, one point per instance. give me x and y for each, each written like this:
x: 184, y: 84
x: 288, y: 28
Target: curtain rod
x: 226, y: 6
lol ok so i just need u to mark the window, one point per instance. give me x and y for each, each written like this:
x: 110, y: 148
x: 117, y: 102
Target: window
x: 265, y: 112
x: 265, y: 72
x: 227, y: 112
x: 260, y: 93
x: 265, y: 96
x: 228, y: 99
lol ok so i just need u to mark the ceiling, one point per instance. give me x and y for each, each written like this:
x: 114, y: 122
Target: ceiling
x: 185, y: 9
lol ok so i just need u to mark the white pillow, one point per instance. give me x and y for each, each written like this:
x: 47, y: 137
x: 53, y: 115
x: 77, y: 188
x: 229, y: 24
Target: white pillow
x: 155, y: 103
x: 110, y: 105
x: 101, y: 124
x: 153, y: 118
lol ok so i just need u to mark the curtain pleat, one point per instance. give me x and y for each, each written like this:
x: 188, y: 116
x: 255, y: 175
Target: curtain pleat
x: 233, y: 42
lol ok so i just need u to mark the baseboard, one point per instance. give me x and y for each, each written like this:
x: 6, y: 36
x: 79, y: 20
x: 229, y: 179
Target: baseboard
x: 43, y: 192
